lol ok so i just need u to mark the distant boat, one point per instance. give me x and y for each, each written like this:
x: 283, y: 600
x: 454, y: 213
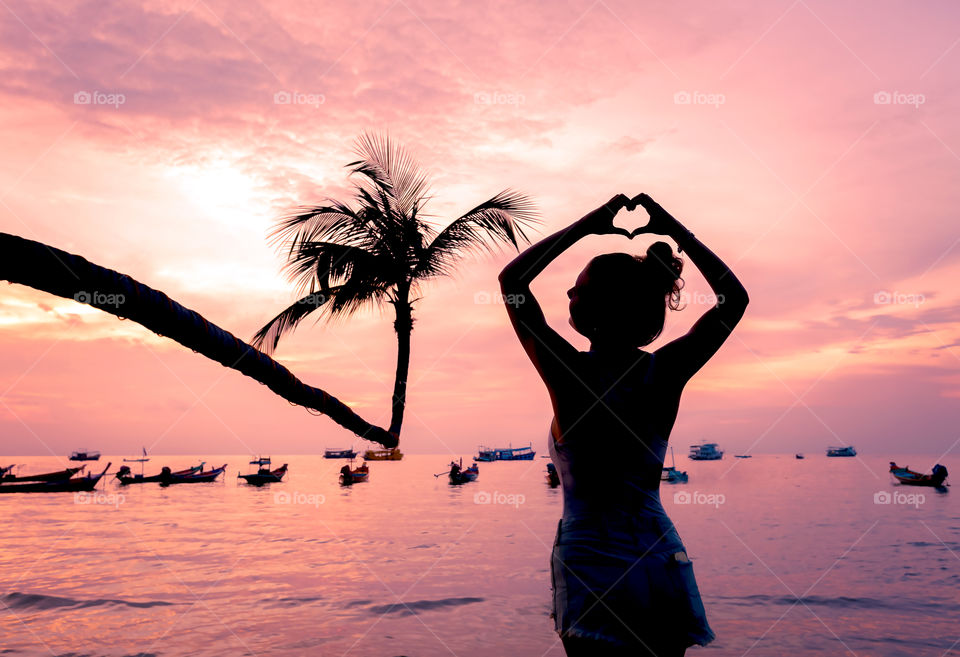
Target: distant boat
x: 59, y: 475
x: 264, y: 475
x: 505, y: 453
x: 553, y: 477
x: 841, y: 451
x: 200, y: 476
x: 393, y: 454
x: 5, y: 470
x: 671, y: 475
x: 68, y: 485
x: 743, y: 456
x: 460, y: 475
x: 349, y: 476
x: 333, y: 453
x: 126, y: 477
x: 798, y: 455
x: 85, y: 455
x: 910, y: 478
x: 261, y: 460
x: 705, y: 452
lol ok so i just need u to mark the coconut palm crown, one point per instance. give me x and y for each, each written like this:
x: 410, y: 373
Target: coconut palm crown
x: 381, y: 248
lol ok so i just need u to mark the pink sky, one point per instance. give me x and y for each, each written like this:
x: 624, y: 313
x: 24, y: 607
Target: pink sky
x: 820, y: 197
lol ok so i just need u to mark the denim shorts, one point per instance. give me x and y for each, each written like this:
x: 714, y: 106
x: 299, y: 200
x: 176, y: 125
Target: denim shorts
x: 627, y: 581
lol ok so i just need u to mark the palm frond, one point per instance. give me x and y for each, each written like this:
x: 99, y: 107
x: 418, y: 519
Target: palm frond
x: 268, y: 337
x: 391, y: 167
x: 335, y: 222
x: 501, y: 220
x: 318, y: 265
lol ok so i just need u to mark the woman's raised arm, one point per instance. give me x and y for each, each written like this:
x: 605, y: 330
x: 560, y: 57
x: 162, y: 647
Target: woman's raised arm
x: 683, y: 357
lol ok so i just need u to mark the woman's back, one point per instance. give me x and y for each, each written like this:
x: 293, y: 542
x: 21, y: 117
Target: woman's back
x: 608, y: 439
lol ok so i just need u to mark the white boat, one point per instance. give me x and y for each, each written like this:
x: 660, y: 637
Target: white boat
x: 841, y: 451
x: 705, y: 452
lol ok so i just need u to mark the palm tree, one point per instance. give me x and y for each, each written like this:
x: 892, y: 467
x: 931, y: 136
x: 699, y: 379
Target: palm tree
x: 343, y: 259
x: 70, y: 276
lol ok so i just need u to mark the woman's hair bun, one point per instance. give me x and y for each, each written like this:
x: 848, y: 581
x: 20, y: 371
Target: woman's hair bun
x: 664, y: 268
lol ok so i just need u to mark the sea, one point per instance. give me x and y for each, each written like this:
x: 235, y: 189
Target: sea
x: 820, y: 556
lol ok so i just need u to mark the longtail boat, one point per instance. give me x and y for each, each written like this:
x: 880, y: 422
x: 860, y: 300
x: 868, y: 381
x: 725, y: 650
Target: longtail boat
x: 264, y: 475
x: 910, y: 478
x: 350, y: 475
x: 383, y: 454
x: 5, y: 470
x: 335, y: 453
x: 460, y: 475
x: 69, y: 485
x: 193, y: 477
x: 126, y: 477
x: 59, y: 475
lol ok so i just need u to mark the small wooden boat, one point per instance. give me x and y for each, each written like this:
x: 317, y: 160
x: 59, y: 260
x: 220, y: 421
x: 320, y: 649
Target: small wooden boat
x: 459, y: 475
x: 193, y: 477
x: 908, y: 477
x: 350, y: 475
x: 393, y: 454
x: 743, y: 456
x: 553, y: 477
x: 264, y: 475
x: 70, y: 485
x: 510, y: 453
x: 841, y: 451
x: 126, y: 477
x: 333, y: 453
x: 59, y: 475
x: 261, y: 461
x: 798, y: 455
x: 5, y: 470
x: 85, y: 455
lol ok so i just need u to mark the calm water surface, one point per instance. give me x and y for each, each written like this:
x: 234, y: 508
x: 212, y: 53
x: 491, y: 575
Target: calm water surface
x: 793, y: 558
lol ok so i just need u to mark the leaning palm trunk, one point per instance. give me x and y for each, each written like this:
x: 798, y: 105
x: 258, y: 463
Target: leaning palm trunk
x: 70, y: 276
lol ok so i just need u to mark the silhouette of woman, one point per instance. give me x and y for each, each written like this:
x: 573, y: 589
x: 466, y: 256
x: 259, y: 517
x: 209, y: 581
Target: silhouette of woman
x: 622, y: 581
